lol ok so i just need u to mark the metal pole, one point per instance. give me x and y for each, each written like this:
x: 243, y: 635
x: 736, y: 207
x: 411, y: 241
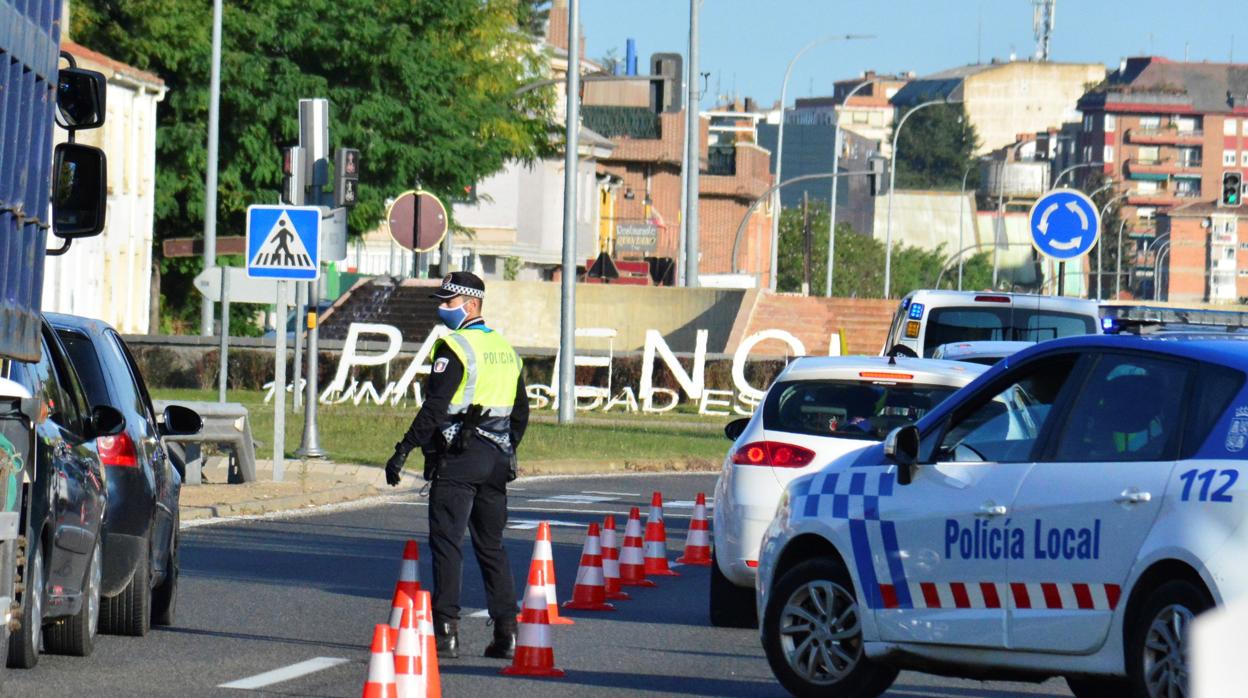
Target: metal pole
x: 567, y: 325
x: 1118, y: 270
x: 279, y: 387
x: 999, y: 228
x: 224, y: 369
x: 311, y: 445
x: 892, y: 181
x: 210, y: 179
x: 1072, y: 168
x: 314, y: 137
x: 1161, y: 250
x: 693, y: 152
x: 836, y: 183
x: 961, y: 216
x: 1100, y: 256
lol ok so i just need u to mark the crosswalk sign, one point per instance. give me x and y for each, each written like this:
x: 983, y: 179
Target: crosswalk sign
x: 283, y: 242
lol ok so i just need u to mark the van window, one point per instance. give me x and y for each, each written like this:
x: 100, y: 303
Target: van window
x: 850, y: 409
x: 968, y: 324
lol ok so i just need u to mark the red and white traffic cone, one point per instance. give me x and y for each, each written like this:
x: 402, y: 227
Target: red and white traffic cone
x: 632, y: 562
x: 535, y: 655
x: 428, y: 645
x: 407, y: 586
x: 380, y: 682
x: 543, y: 557
x: 698, y: 541
x: 590, y: 592
x: 656, y: 540
x: 409, y: 674
x: 611, y: 561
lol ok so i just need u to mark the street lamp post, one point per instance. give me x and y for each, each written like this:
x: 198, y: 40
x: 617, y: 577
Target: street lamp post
x: 1072, y: 168
x: 784, y: 89
x: 836, y: 163
x: 1118, y: 269
x: 999, y: 231
x: 1162, y: 250
x: 1100, y: 248
x: 892, y: 181
x: 961, y: 216
x: 210, y: 178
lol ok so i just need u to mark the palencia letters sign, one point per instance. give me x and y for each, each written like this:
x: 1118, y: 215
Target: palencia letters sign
x: 742, y: 398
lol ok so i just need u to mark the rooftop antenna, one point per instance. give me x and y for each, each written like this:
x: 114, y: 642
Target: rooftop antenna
x: 979, y: 34
x: 1043, y: 17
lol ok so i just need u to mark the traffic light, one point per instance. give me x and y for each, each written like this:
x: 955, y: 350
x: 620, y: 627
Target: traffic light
x: 876, y: 182
x: 346, y: 175
x: 1232, y: 189
x: 294, y: 175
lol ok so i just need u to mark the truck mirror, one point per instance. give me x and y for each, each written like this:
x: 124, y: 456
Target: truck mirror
x: 79, y: 181
x: 80, y: 96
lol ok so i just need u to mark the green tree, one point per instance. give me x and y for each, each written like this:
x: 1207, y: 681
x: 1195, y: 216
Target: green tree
x: 425, y: 89
x: 935, y: 148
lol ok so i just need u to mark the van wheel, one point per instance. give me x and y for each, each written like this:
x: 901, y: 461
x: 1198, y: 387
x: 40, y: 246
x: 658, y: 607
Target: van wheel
x: 730, y: 605
x: 24, y: 645
x: 130, y: 611
x: 812, y: 635
x: 1158, y: 643
x: 75, y: 635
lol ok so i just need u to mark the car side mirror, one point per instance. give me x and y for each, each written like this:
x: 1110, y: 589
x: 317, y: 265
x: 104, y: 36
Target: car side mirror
x: 80, y: 98
x: 180, y: 421
x: 902, y: 447
x: 79, y: 191
x: 735, y: 428
x: 106, y: 421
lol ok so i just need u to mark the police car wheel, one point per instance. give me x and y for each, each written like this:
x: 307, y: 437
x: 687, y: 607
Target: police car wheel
x: 812, y: 634
x: 1158, y: 645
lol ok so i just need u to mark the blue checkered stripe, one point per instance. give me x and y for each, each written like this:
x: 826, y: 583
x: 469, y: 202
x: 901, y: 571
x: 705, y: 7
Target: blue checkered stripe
x: 855, y: 497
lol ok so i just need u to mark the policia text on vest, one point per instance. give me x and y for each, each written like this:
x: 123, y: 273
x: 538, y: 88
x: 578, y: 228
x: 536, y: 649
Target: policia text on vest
x: 468, y: 428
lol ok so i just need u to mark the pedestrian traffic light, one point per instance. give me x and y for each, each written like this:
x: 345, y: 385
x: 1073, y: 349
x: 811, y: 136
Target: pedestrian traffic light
x: 876, y: 183
x: 1232, y: 189
x: 294, y: 175
x: 346, y: 175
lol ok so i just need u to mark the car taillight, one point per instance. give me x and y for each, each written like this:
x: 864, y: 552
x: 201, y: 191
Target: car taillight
x: 774, y: 454
x: 992, y: 299
x: 117, y: 450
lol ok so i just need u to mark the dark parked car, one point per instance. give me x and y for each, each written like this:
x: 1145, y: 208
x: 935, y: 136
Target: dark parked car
x: 63, y: 509
x: 140, y: 579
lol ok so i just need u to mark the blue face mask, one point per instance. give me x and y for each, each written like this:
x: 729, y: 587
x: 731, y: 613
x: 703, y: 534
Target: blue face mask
x: 453, y: 317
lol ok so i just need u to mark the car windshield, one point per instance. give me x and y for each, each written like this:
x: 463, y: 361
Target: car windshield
x: 971, y: 324
x: 846, y: 408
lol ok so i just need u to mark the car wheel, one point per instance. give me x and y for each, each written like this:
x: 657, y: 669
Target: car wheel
x: 24, y: 645
x: 730, y: 605
x: 812, y: 635
x: 130, y: 611
x: 1158, y: 644
x: 75, y: 635
x: 1085, y: 687
x: 165, y: 596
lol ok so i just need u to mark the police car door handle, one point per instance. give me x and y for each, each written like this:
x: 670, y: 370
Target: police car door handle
x: 1133, y: 496
x: 991, y: 510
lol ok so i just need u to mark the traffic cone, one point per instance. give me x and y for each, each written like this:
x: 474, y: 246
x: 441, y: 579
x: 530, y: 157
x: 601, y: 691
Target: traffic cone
x: 632, y: 565
x: 428, y: 646
x: 611, y: 561
x: 656, y: 540
x: 407, y: 586
x: 409, y: 674
x: 544, y: 558
x: 535, y: 656
x: 380, y: 683
x: 698, y: 540
x: 590, y: 592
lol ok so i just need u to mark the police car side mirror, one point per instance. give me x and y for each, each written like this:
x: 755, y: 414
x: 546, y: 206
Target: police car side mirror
x: 735, y: 428
x: 901, y: 446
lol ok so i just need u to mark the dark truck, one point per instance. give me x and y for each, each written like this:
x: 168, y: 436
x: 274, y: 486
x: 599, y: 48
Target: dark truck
x: 46, y: 192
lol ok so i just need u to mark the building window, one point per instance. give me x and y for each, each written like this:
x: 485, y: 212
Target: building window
x: 1111, y: 122
x: 1228, y: 157
x: 1087, y: 122
x: 1187, y: 187
x: 1243, y: 158
x: 1087, y: 153
x: 1150, y: 122
x: 1146, y: 213
x: 1146, y: 187
x: 1149, y: 155
x: 1109, y: 154
x: 1230, y: 127
x: 1188, y: 124
x: 860, y: 117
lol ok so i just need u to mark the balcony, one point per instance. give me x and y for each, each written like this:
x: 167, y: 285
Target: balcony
x: 1160, y: 169
x: 1165, y: 136
x: 613, y: 122
x: 721, y: 161
x: 1162, y: 198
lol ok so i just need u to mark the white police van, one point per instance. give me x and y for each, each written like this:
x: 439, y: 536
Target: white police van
x: 1066, y: 514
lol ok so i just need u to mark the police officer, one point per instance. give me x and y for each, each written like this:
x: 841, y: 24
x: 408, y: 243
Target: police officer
x: 474, y: 415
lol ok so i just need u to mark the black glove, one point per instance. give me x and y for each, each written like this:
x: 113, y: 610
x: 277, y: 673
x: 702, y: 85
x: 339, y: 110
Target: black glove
x: 394, y: 466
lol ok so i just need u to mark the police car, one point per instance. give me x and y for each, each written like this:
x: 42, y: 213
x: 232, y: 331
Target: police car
x: 1066, y: 514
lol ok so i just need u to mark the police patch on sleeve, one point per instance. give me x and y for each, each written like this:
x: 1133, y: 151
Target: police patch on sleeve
x: 440, y: 365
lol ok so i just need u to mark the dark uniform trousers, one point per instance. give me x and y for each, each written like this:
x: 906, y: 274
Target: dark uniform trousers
x: 470, y: 492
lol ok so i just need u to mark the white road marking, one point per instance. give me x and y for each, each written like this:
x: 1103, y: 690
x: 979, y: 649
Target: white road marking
x: 688, y: 504
x: 527, y: 524
x: 576, y: 499
x: 293, y: 671
x: 617, y: 494
x: 554, y: 510
x: 483, y: 613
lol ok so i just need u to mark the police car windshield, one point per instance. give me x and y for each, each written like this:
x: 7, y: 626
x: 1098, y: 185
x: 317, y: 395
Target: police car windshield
x: 968, y: 324
x: 848, y: 409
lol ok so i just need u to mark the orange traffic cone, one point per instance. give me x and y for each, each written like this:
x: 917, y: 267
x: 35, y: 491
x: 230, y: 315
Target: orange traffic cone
x: 590, y: 592
x: 698, y: 541
x: 409, y: 675
x: 544, y: 558
x: 380, y: 683
x: 407, y: 586
x: 428, y: 646
x: 611, y: 561
x: 656, y: 540
x: 535, y: 655
x: 632, y: 565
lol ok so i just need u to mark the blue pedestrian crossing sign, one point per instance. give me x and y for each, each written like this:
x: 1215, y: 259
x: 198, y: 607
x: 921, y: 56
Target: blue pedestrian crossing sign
x: 1064, y: 224
x: 283, y: 242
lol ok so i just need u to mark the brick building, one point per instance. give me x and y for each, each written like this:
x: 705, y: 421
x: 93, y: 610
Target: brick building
x: 1202, y: 249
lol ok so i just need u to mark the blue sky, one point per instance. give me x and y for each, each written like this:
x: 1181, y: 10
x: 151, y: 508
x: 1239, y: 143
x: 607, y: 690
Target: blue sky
x: 748, y: 43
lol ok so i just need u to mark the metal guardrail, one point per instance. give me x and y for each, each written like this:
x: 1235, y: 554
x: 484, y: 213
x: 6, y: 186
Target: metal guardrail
x: 224, y: 423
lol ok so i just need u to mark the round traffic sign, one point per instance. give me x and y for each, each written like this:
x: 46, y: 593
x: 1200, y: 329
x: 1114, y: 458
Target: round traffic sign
x: 1064, y: 224
x: 417, y: 221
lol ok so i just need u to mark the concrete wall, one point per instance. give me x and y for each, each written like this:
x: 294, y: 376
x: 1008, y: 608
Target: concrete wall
x: 1025, y: 97
x: 929, y: 219
x: 864, y: 322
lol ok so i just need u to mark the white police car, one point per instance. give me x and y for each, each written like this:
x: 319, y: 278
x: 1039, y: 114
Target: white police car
x: 1066, y: 514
